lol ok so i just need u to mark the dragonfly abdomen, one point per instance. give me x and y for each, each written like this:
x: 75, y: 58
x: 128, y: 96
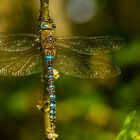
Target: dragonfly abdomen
x: 51, y: 88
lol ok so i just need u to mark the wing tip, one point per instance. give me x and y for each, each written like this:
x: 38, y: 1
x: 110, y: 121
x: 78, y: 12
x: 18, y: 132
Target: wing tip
x: 119, y: 42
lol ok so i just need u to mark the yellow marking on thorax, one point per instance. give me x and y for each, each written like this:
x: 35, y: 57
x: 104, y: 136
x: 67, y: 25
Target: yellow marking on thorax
x: 47, y: 39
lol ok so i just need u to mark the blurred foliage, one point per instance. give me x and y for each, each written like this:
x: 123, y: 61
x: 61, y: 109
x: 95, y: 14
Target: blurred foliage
x: 130, y: 131
x: 86, y: 109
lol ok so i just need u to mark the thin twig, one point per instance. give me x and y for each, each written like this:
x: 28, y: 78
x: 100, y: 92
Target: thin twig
x: 44, y: 10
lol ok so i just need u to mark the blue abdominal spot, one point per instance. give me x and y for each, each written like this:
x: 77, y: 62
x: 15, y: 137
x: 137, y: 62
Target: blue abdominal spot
x: 52, y: 96
x: 49, y: 57
x: 50, y: 68
x: 51, y: 86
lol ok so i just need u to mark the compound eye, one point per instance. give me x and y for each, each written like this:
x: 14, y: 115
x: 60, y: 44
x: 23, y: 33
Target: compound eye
x: 44, y: 25
x: 47, y: 25
x: 53, y: 26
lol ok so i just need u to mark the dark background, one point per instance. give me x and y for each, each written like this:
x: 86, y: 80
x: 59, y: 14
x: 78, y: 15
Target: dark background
x: 86, y: 109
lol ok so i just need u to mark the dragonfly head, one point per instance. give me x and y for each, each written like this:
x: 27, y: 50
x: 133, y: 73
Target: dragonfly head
x: 47, y: 25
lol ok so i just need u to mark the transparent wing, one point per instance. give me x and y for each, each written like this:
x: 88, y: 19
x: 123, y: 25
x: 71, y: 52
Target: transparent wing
x: 20, y: 63
x: 91, y: 45
x: 84, y: 66
x: 19, y: 55
x: 17, y: 42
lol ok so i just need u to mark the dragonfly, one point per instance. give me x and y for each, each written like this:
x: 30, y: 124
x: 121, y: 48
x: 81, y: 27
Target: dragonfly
x: 24, y: 54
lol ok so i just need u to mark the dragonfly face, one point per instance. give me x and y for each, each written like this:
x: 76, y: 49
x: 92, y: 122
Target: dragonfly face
x: 47, y: 25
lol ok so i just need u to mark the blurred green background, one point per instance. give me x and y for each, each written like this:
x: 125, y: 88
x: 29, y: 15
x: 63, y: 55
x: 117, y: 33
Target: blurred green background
x: 86, y: 109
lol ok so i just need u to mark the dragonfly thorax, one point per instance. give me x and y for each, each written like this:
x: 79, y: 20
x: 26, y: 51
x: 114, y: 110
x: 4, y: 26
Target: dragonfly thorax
x: 47, y: 39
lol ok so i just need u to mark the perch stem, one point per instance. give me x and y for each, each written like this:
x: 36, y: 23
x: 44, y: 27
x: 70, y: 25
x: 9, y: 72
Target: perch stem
x: 44, y: 10
x: 45, y: 101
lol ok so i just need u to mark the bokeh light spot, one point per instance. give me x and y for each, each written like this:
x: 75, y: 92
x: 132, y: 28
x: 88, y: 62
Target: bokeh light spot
x: 80, y: 11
